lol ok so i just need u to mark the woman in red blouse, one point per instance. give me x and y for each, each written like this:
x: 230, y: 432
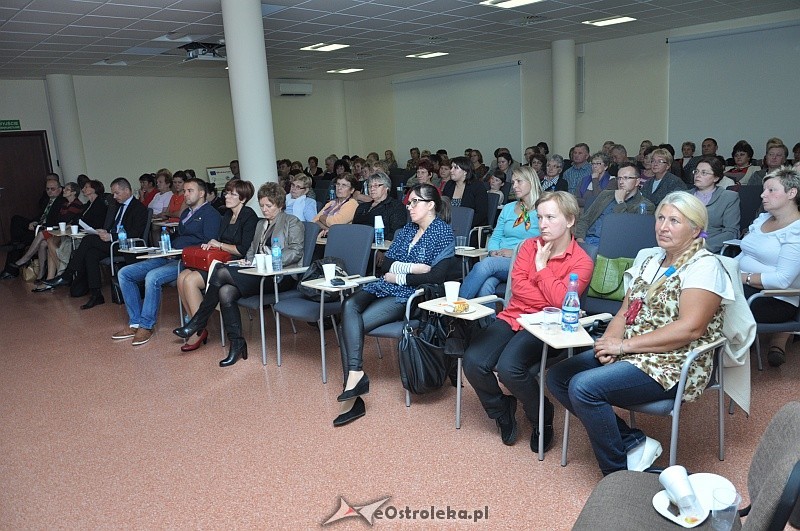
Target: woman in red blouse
x: 539, y: 278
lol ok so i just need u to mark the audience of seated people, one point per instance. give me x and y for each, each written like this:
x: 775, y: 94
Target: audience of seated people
x: 82, y: 273
x: 68, y: 212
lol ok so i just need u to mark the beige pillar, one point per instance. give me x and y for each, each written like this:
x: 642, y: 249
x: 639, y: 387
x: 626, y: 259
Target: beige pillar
x: 564, y: 96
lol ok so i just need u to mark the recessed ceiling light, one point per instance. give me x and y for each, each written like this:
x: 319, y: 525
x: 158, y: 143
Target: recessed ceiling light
x: 322, y: 47
x: 508, y: 3
x: 608, y: 21
x: 109, y: 62
x: 427, y: 55
x: 345, y: 70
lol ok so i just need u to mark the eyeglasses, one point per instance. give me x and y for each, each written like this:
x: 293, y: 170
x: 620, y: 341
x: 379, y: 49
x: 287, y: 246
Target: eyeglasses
x: 597, y: 163
x: 298, y: 187
x: 659, y: 161
x: 414, y: 202
x: 703, y: 173
x: 375, y: 186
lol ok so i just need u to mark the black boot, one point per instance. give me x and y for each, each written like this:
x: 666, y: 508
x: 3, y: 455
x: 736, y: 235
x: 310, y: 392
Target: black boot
x: 233, y: 328
x: 200, y: 319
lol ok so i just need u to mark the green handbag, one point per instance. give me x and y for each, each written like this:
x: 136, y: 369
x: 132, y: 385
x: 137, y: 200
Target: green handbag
x: 607, y: 281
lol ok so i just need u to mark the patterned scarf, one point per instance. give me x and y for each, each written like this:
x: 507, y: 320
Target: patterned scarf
x: 524, y: 217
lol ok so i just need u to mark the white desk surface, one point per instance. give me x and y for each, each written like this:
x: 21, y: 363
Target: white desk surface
x: 147, y: 256
x: 441, y: 306
x: 256, y: 272
x: 558, y: 339
x: 319, y: 283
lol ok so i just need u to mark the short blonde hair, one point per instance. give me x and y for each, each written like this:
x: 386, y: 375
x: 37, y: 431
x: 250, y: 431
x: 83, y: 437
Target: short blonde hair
x: 567, y: 204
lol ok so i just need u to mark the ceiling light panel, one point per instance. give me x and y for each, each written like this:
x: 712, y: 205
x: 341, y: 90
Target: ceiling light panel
x: 345, y: 70
x: 608, y: 21
x: 322, y: 47
x: 507, y: 4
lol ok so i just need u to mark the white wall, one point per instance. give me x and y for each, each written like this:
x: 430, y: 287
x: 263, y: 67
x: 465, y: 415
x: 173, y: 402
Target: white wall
x: 26, y: 101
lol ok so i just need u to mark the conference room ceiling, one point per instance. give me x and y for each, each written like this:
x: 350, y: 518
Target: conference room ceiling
x: 119, y: 37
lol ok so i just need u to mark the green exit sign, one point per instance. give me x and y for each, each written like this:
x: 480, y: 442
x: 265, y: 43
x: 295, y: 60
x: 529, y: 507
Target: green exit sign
x: 9, y: 125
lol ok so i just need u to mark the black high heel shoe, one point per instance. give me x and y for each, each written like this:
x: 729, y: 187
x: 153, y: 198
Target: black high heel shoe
x: 358, y: 410
x: 237, y: 350
x: 361, y: 388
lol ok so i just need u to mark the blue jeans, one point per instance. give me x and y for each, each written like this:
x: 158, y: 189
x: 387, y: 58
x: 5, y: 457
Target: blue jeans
x: 485, y: 276
x: 589, y: 389
x: 154, y: 272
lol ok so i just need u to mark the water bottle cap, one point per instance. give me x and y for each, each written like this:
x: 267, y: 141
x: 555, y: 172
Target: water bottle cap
x: 573, y: 277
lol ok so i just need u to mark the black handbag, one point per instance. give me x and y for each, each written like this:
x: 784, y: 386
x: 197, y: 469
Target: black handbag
x: 423, y: 364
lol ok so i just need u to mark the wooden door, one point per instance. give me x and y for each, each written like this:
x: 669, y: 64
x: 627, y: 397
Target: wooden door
x: 24, y: 164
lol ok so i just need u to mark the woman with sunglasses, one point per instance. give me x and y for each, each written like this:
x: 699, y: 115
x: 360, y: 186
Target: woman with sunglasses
x: 422, y: 252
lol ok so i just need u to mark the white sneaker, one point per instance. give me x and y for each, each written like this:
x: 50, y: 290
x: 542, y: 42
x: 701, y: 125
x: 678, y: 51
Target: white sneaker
x: 643, y: 456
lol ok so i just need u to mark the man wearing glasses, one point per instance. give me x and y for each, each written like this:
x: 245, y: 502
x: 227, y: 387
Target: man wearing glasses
x: 663, y: 182
x: 23, y: 230
x: 626, y: 198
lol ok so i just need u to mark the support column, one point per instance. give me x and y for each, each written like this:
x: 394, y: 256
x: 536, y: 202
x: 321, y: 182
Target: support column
x: 66, y: 126
x: 247, y: 74
x: 564, y: 96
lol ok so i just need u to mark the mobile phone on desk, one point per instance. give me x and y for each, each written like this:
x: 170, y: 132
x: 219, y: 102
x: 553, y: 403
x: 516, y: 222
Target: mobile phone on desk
x: 337, y: 282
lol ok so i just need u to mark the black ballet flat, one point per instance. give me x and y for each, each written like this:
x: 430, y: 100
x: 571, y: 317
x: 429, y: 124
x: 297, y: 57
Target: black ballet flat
x: 361, y: 388
x: 358, y: 410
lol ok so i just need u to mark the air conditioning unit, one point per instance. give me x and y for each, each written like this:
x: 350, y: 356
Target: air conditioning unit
x: 295, y: 89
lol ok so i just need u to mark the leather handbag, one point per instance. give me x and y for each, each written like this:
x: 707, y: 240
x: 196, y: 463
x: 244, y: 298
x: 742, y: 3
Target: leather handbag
x: 200, y: 259
x: 607, y: 278
x: 423, y: 364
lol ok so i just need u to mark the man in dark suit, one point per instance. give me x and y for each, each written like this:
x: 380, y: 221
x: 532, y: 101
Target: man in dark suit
x: 23, y: 230
x: 83, y: 270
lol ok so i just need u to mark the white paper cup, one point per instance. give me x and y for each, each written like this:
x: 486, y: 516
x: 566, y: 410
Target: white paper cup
x: 725, y: 506
x: 260, y: 261
x: 73, y: 229
x: 451, y: 291
x: 551, y: 319
x: 62, y: 226
x: 679, y: 490
x: 330, y: 271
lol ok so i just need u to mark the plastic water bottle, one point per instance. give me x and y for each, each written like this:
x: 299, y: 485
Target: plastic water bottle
x: 642, y: 208
x: 277, y: 255
x: 166, y: 243
x: 571, y: 309
x: 332, y: 191
x: 122, y: 238
x: 378, y: 230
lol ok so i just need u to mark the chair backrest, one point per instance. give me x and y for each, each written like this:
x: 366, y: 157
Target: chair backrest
x: 774, y: 471
x: 494, y: 200
x: 749, y: 205
x: 624, y: 235
x: 461, y: 220
x: 351, y: 243
x: 309, y: 241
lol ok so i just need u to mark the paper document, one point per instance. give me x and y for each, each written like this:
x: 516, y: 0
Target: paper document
x: 86, y: 227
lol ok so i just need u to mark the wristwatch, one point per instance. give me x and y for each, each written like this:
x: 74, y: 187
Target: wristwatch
x: 747, y: 280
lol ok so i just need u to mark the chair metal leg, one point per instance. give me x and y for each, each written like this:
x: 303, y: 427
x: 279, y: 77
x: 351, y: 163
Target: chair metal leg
x: 221, y: 329
x: 673, y: 437
x: 721, y: 415
x: 758, y: 353
x: 542, y: 366
x: 408, y: 398
x: 336, y: 331
x: 294, y: 330
x: 380, y: 352
x: 321, y: 325
x: 565, y: 440
x: 730, y: 407
x: 459, y: 394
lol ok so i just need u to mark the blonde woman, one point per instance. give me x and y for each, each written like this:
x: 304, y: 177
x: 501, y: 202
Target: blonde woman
x: 674, y: 304
x: 517, y: 222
